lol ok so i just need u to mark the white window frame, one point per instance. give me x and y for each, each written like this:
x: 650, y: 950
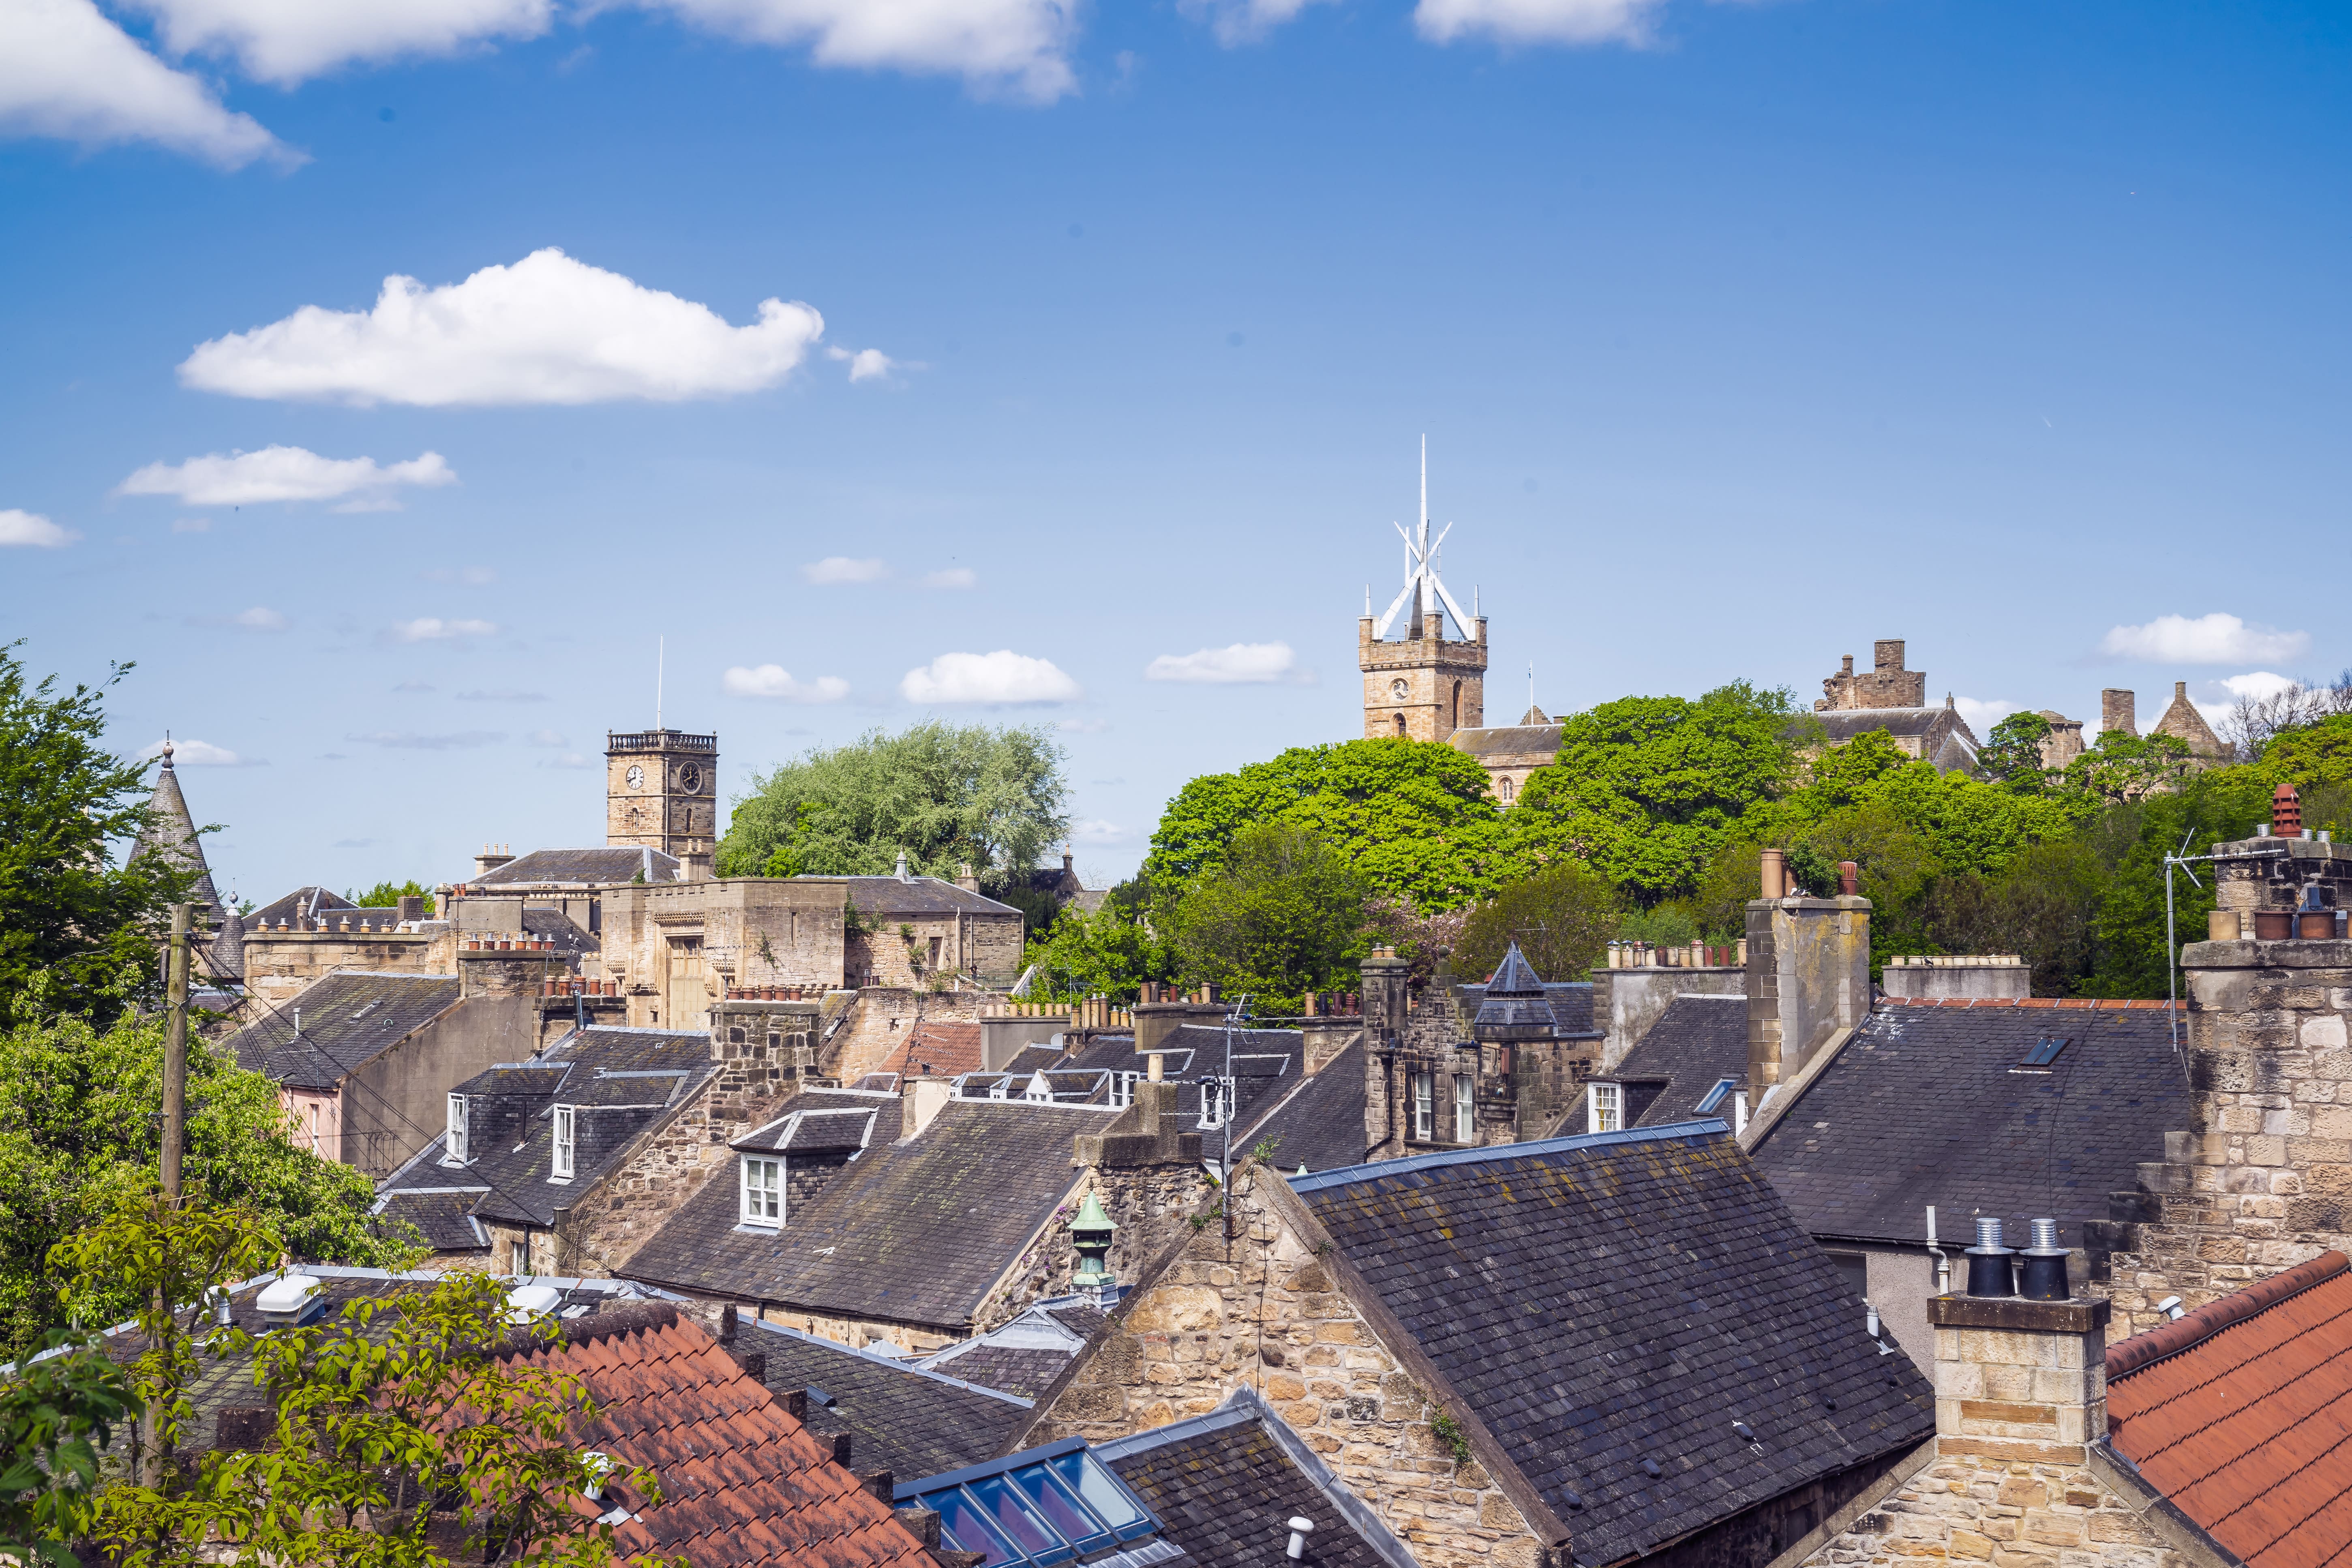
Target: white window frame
x: 1604, y: 1107
x: 1465, y: 1116
x: 453, y: 1132
x: 1122, y: 1088
x: 760, y: 1187
x: 1216, y: 1102
x: 1424, y: 1109
x: 565, y: 1142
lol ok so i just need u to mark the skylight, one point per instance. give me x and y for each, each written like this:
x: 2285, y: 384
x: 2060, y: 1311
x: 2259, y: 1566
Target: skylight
x: 2043, y: 1052
x: 1723, y: 1086
x: 1044, y: 1506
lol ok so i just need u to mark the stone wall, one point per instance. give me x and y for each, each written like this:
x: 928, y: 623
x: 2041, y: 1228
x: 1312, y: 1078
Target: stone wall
x: 740, y: 932
x: 915, y: 950
x: 879, y: 1022
x: 1444, y: 681
x: 2262, y: 1179
x: 1981, y: 976
x: 280, y: 963
x: 1626, y: 1001
x: 1808, y: 977
x: 1886, y: 685
x: 1246, y: 1303
x: 1152, y: 1206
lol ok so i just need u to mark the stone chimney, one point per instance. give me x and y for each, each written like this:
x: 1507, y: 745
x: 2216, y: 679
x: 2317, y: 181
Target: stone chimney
x: 967, y: 879
x: 1886, y: 656
x: 920, y: 1100
x: 411, y: 907
x: 1385, y: 997
x: 2116, y: 712
x: 1808, y: 976
x: 492, y: 856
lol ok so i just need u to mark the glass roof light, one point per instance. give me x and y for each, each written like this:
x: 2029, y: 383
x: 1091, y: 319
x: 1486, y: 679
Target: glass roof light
x: 1043, y: 1507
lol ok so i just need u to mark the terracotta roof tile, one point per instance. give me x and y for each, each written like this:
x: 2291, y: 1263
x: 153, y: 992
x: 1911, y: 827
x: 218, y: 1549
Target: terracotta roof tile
x: 948, y: 1048
x: 2240, y: 1413
x: 745, y: 1484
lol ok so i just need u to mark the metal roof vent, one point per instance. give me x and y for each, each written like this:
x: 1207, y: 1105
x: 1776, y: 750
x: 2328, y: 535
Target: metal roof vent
x: 2043, y: 1275
x: 1301, y: 1527
x: 1988, y: 1272
x: 289, y: 1300
x: 1651, y: 1468
x: 526, y: 1302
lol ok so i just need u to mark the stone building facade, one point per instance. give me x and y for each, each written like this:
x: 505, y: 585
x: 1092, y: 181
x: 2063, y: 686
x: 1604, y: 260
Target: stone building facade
x: 661, y: 791
x: 675, y: 947
x: 1511, y: 754
x: 1422, y: 685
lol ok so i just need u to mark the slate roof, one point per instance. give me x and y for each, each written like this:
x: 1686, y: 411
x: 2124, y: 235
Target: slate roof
x: 2238, y: 1413
x: 900, y: 1419
x: 1513, y: 998
x: 302, y: 903
x: 742, y: 1482
x: 600, y: 866
x: 1571, y: 1004
x: 1696, y: 1042
x: 914, y: 1231
x: 349, y: 1019
x: 1599, y: 1300
x: 442, y: 1218
x: 1508, y: 740
x: 1321, y: 1126
x: 1021, y: 1371
x: 822, y: 1130
x: 1921, y: 1107
x: 1226, y: 1485
x: 888, y: 897
x: 622, y: 1083
x: 1024, y: 1355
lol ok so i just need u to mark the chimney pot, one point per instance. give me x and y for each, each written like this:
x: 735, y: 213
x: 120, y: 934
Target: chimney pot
x: 1849, y: 878
x: 1988, y: 1270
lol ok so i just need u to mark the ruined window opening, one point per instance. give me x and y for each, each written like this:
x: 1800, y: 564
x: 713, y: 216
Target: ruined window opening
x: 1399, y: 724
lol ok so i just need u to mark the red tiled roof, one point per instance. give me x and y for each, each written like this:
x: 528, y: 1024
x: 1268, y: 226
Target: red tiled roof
x: 950, y: 1048
x: 2240, y: 1413
x: 2077, y: 1001
x: 743, y: 1483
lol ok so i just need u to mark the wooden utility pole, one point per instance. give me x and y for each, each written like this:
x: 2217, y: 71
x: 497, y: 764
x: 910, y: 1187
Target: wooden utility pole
x: 175, y: 1051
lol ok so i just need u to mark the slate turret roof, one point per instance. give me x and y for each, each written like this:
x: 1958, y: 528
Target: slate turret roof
x: 1600, y: 1301
x: 171, y: 832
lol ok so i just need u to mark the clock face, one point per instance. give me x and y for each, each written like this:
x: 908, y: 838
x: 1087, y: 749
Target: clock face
x: 690, y: 778
x: 636, y: 776
x: 1398, y: 689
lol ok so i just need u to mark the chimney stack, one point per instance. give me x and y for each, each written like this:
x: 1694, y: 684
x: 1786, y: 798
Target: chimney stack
x: 1808, y: 977
x: 1886, y: 654
x: 2116, y: 712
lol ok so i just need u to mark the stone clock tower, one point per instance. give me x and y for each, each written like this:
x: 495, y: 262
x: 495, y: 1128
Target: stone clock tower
x: 1422, y: 685
x: 661, y: 791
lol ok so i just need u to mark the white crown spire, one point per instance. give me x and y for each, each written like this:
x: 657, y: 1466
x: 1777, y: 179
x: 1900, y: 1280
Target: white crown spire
x: 1420, y: 562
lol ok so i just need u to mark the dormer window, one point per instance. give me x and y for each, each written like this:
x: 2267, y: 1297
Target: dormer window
x: 567, y: 1124
x: 1122, y: 1088
x: 763, y: 1191
x: 452, y: 1142
x: 1604, y: 1108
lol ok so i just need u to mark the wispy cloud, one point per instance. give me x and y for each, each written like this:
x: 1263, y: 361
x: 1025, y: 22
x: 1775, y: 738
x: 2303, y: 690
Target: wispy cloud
x: 1239, y: 664
x: 195, y: 753
x: 1000, y: 678
x: 1095, y: 830
x: 545, y: 738
x: 1536, y: 21
x: 286, y: 474
x: 2216, y: 638
x: 30, y: 528
x: 1982, y: 713
x: 773, y: 680
x: 843, y: 569
x: 866, y: 364
x: 568, y: 759
x: 433, y: 629
x: 259, y: 618
x: 67, y: 71
x: 409, y: 740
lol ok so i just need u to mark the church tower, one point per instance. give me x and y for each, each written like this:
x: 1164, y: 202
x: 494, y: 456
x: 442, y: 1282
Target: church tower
x: 661, y: 791
x: 1422, y: 685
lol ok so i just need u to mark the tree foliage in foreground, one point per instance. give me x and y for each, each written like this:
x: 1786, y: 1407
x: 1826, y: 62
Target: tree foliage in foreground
x: 948, y: 795
x: 1280, y: 914
x: 78, y: 932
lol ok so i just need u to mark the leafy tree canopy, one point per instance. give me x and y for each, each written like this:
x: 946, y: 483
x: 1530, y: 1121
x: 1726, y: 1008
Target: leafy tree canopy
x: 2011, y: 754
x: 79, y: 933
x: 1412, y: 817
x: 2319, y: 754
x: 1646, y: 789
x: 1109, y: 952
x: 388, y: 895
x: 79, y: 1135
x: 1280, y: 914
x: 1562, y: 918
x: 947, y: 795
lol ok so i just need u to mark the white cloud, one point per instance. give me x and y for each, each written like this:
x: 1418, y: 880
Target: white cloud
x: 1243, y: 663
x: 259, y: 619
x: 286, y: 41
x: 1015, y: 47
x: 1000, y: 677
x: 866, y: 364
x: 197, y: 754
x: 1536, y: 21
x: 774, y: 680
x: 410, y: 740
x: 433, y: 629
x: 68, y: 72
x: 951, y: 577
x: 2258, y: 684
x: 1095, y: 830
x: 1241, y: 21
x: 31, y: 528
x: 546, y: 330
x: 1983, y: 713
x: 2216, y: 638
x: 284, y: 473
x: 842, y: 569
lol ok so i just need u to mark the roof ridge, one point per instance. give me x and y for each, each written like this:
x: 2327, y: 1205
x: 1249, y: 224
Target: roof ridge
x: 1345, y: 1174
x: 605, y: 1324
x: 2075, y: 1003
x: 2193, y: 1329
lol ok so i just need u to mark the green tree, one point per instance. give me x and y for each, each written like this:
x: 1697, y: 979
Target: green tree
x: 2011, y: 754
x: 2212, y: 808
x: 2044, y: 908
x: 1279, y: 915
x: 78, y: 932
x: 58, y: 1411
x: 79, y: 1137
x: 2319, y: 754
x: 1562, y: 918
x: 947, y: 795
x: 1109, y: 952
x: 388, y: 895
x: 1413, y: 819
x: 1647, y: 789
x: 2127, y: 767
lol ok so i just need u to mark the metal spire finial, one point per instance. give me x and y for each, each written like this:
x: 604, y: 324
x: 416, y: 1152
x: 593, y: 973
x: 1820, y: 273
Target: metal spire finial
x: 167, y: 750
x: 1422, y: 582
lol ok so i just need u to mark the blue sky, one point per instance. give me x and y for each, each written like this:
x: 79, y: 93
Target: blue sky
x: 1742, y: 334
